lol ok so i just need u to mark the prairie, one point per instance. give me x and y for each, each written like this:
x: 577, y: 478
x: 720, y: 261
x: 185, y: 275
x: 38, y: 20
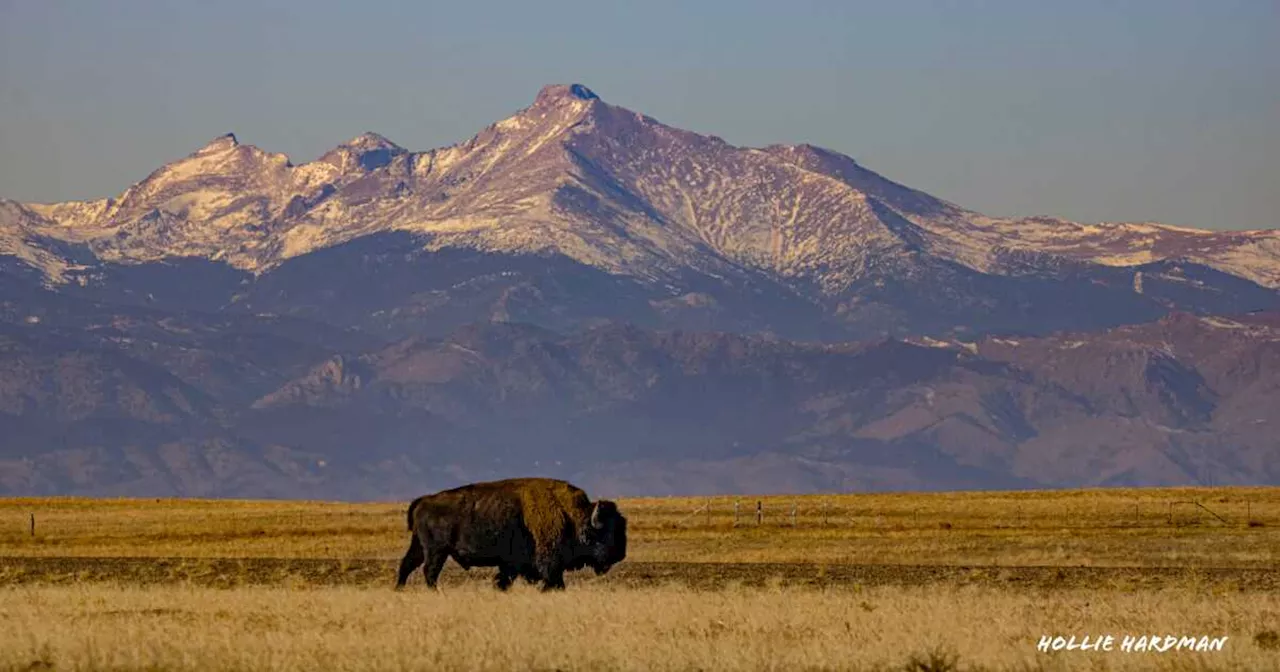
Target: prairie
x: 943, y: 581
x: 1164, y: 527
x: 597, y: 627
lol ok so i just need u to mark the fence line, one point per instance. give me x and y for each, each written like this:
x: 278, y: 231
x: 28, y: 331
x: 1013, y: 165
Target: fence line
x: 822, y: 514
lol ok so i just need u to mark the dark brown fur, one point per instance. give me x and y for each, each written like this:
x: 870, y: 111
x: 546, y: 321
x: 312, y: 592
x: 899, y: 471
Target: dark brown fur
x: 536, y: 528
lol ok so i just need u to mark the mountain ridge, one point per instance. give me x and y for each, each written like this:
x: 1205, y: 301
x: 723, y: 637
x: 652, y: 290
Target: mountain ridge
x: 1186, y: 399
x: 582, y: 291
x: 288, y: 210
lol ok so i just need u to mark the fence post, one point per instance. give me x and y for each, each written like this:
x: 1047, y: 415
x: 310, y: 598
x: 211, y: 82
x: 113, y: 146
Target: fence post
x: 824, y: 513
x: 708, y: 512
x: 736, y: 503
x: 759, y: 512
x: 793, y: 513
x: 33, y: 525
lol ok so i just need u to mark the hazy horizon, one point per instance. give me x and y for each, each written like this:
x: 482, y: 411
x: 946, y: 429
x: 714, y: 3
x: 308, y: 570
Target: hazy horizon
x: 1089, y: 112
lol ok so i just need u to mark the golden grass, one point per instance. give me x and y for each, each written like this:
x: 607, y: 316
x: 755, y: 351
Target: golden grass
x: 1123, y: 527
x: 107, y: 627
x: 235, y: 585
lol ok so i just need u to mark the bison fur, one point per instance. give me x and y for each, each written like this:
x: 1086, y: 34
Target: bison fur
x: 533, y: 528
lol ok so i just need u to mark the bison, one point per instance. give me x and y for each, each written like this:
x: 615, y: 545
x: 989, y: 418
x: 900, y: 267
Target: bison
x: 535, y: 528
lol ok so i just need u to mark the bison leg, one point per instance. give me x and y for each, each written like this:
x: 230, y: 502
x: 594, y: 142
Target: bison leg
x: 553, y: 582
x: 553, y: 578
x: 504, y: 578
x: 412, y: 558
x: 436, y: 558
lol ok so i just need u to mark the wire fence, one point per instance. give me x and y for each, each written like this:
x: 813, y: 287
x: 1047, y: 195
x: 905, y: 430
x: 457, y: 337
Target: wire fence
x: 877, y: 512
x: 743, y: 512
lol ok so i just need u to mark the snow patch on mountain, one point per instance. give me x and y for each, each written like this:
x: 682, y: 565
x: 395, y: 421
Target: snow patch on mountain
x: 574, y: 175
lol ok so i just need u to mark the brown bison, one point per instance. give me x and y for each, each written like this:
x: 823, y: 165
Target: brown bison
x: 536, y: 528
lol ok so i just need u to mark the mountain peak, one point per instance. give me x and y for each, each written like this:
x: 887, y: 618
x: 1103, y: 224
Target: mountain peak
x: 554, y: 92
x: 222, y: 142
x: 370, y: 141
x: 368, y: 151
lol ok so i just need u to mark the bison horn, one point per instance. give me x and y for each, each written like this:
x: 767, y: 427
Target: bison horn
x: 595, y: 517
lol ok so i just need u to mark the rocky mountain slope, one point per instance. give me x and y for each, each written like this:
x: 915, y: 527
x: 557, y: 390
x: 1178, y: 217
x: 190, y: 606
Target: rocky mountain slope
x: 155, y: 408
x: 582, y: 290
x: 573, y: 209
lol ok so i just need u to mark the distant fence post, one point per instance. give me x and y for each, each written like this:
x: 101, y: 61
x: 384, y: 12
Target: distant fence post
x: 736, y: 505
x: 33, y: 525
x: 793, y: 513
x: 759, y: 512
x: 824, y: 513
x: 708, y: 512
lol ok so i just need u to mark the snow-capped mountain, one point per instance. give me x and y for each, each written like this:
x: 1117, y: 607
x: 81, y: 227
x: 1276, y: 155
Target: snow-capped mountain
x: 581, y: 283
x: 605, y: 187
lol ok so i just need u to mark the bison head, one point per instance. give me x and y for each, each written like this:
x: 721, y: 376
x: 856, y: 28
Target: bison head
x: 606, y: 537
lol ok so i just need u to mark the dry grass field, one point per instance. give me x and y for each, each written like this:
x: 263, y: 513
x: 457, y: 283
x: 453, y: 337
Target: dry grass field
x: 950, y: 581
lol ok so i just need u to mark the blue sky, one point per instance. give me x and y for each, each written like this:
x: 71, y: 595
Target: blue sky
x: 1143, y: 110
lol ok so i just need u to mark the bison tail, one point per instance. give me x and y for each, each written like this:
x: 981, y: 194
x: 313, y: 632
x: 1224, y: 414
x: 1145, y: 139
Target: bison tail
x: 413, y: 505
